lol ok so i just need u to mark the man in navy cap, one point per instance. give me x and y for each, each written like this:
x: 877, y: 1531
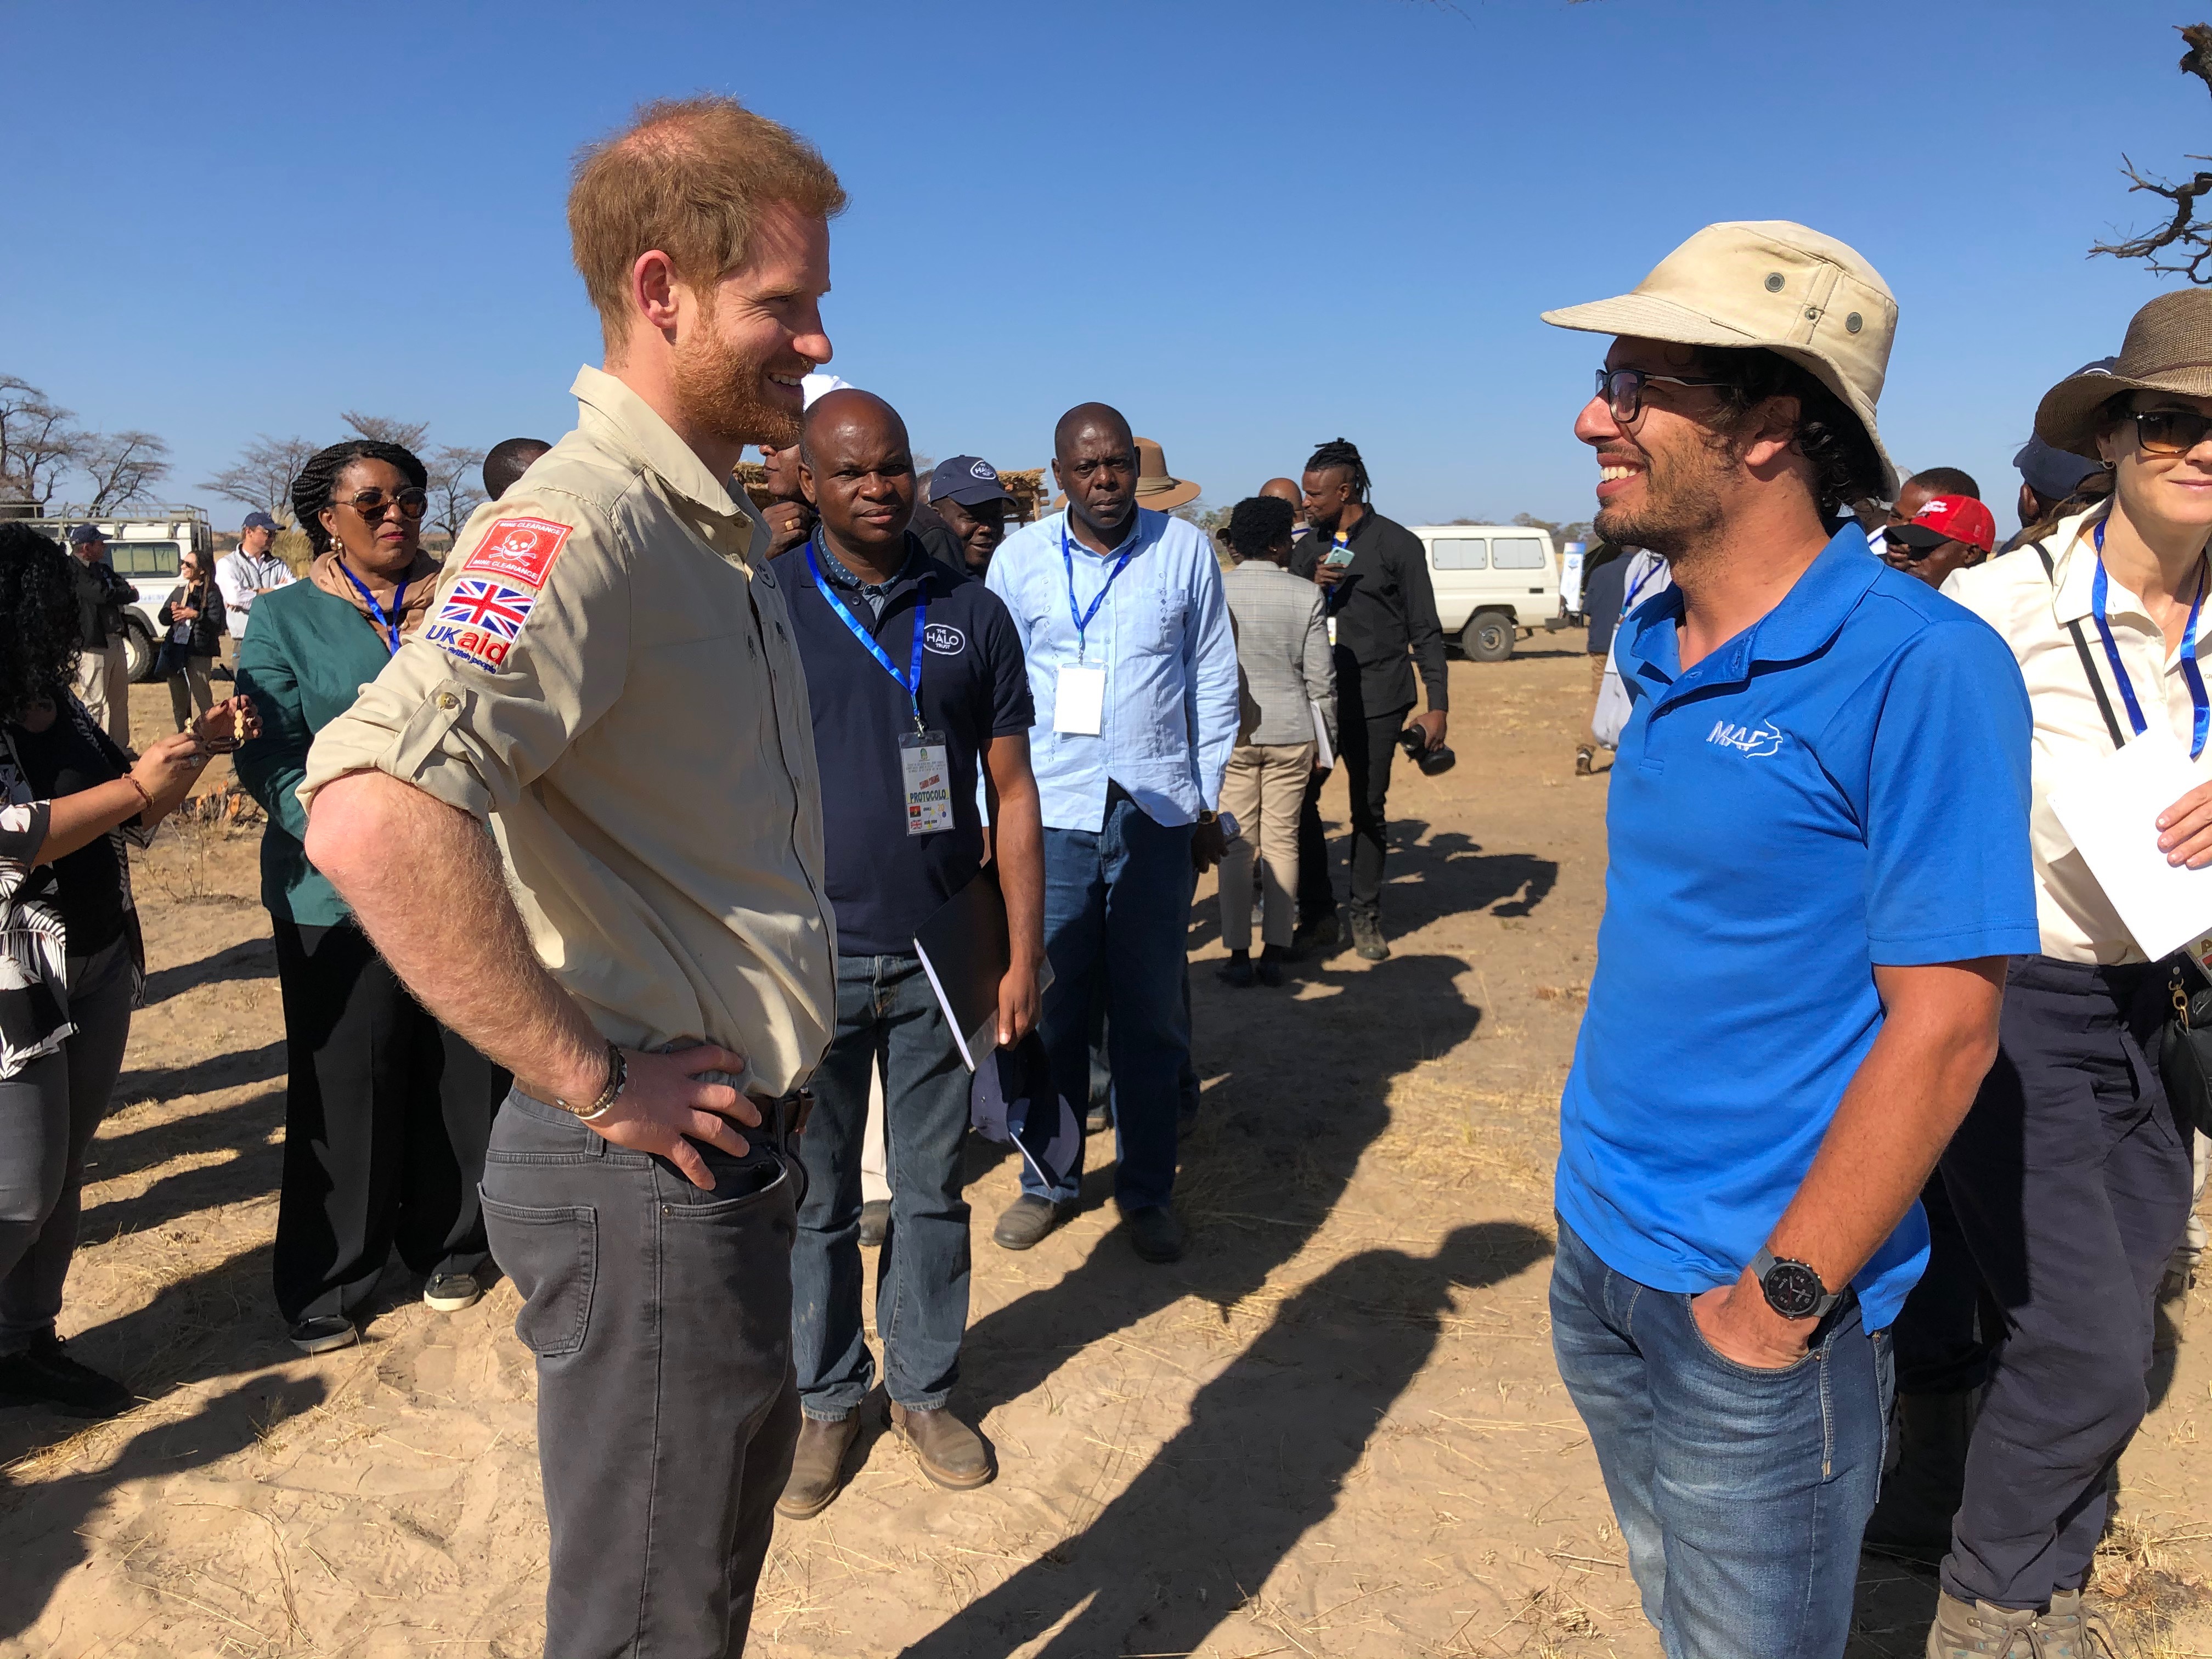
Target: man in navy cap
x: 966, y: 494
x: 245, y: 575
x: 103, y: 675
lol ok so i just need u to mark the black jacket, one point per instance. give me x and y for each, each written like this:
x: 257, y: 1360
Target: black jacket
x: 208, y: 628
x: 1384, y: 608
x: 102, y: 595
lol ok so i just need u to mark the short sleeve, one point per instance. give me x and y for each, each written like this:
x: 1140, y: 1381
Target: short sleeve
x: 1013, y: 711
x: 527, y: 647
x: 1949, y: 874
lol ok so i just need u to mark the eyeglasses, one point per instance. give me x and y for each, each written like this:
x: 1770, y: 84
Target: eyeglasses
x: 2169, y: 431
x: 373, y: 504
x: 1623, y: 389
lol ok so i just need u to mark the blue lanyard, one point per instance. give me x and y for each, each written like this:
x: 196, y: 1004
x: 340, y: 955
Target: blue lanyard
x: 1082, y: 619
x: 1629, y: 603
x: 390, y: 624
x: 910, y: 682
x: 2200, y: 704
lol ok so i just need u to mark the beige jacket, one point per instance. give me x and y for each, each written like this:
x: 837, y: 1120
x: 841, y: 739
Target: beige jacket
x: 609, y: 681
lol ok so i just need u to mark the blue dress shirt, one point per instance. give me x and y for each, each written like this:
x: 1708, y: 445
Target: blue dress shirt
x: 1163, y: 636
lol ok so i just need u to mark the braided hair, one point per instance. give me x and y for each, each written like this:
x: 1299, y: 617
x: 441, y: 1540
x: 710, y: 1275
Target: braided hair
x: 38, y: 638
x: 1342, y: 452
x: 311, y: 490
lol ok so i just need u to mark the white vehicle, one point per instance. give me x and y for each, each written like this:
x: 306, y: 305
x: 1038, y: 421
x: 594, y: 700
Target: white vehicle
x: 145, y: 545
x: 1494, y: 583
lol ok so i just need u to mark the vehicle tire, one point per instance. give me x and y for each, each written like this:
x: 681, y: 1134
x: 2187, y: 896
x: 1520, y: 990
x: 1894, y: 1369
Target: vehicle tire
x: 1489, y: 636
x: 139, y: 651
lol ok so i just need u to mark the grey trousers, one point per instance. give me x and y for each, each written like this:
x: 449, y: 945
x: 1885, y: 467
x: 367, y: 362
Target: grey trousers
x: 48, y: 1114
x: 660, y: 1317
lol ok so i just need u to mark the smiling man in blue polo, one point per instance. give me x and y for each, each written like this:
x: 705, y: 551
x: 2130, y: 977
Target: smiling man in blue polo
x: 1818, y: 865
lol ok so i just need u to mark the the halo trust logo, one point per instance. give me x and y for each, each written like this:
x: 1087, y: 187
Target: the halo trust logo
x: 983, y: 470
x: 1765, y: 738
x: 943, y: 639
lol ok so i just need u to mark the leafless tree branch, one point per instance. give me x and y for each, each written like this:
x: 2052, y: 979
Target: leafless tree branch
x: 408, y: 434
x: 2191, y: 237
x: 262, y: 477
x: 123, y: 466
x: 456, y: 486
x: 39, y: 441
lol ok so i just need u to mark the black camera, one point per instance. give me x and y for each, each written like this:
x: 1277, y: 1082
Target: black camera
x: 1432, y: 760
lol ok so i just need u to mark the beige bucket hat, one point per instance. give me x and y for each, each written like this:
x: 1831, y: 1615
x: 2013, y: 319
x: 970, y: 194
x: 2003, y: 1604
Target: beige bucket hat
x: 1768, y: 284
x: 2168, y: 349
x: 1158, y: 487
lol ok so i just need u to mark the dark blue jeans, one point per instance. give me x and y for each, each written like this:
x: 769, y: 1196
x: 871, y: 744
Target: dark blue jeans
x: 885, y: 1012
x: 1117, y: 904
x: 1742, y: 1493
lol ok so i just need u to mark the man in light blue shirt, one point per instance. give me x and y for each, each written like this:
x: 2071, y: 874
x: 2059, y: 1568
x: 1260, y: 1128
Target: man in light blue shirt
x: 1132, y: 668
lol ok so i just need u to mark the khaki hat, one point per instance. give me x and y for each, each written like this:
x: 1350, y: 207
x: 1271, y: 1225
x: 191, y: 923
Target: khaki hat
x: 1157, y: 488
x: 1771, y: 284
x: 2168, y: 349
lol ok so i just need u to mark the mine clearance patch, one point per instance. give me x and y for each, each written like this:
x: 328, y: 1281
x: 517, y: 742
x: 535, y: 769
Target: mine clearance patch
x: 480, y: 619
x: 520, y: 549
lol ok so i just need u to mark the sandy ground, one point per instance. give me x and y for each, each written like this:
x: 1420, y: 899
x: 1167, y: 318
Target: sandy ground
x: 1333, y: 1429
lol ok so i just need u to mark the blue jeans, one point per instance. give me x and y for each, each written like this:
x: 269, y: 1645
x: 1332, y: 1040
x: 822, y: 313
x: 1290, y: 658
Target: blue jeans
x: 886, y: 1012
x: 1742, y: 1493
x: 1117, y: 903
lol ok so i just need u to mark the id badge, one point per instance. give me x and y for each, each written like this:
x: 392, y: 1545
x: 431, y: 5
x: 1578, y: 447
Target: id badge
x: 928, y: 783
x: 1079, y: 703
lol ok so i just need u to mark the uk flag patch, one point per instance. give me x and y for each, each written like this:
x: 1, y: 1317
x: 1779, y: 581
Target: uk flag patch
x: 479, y: 619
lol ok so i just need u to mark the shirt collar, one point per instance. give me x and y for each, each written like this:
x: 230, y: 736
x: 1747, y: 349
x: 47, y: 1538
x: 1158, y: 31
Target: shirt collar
x: 2074, y: 565
x: 836, y: 570
x: 654, y: 441
x: 1811, y: 614
x: 1128, y: 544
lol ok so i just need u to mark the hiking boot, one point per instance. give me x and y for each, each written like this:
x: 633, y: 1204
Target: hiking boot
x: 1154, y: 1233
x: 2172, y: 1310
x: 2071, y: 1630
x: 1236, y: 971
x: 1912, y: 1522
x: 875, y: 1222
x: 43, y: 1374
x: 817, y: 1465
x: 1975, y: 1630
x: 451, y: 1293
x: 1269, y: 969
x: 1583, y: 756
x: 323, y: 1333
x: 1318, y: 936
x: 1367, y: 937
x: 1028, y: 1220
x: 952, y: 1454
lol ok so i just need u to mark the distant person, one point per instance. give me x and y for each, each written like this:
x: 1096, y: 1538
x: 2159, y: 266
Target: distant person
x: 1915, y: 493
x: 1605, y: 577
x: 1286, y: 489
x: 510, y: 458
x: 895, y: 644
x: 2048, y: 480
x: 1945, y: 533
x: 245, y: 574
x: 103, y: 665
x: 1133, y: 672
x: 191, y: 620
x: 1818, y: 867
x: 1282, y: 650
x: 789, y: 518
x: 974, y: 506
x: 387, y: 1112
x: 1376, y: 573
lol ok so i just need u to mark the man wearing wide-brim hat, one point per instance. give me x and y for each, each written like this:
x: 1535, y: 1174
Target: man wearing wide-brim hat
x: 1818, y: 864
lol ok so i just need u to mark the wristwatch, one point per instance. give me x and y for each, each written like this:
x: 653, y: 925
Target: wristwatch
x: 1793, y: 1290
x: 617, y: 1075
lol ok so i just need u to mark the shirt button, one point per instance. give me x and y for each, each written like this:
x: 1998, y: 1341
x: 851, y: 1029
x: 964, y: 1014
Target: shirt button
x: 448, y: 700
x: 768, y: 577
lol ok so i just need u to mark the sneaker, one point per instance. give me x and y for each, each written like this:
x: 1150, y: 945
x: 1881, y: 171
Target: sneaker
x: 817, y: 1466
x: 1975, y: 1630
x: 1154, y: 1233
x: 2172, y: 1312
x: 451, y: 1293
x: 323, y: 1333
x: 1583, y: 756
x: 2071, y: 1629
x: 1098, y: 1120
x: 1318, y: 936
x: 1028, y: 1220
x: 875, y: 1222
x: 1268, y: 970
x: 950, y: 1453
x: 1236, y: 971
x: 44, y: 1375
x: 1367, y: 938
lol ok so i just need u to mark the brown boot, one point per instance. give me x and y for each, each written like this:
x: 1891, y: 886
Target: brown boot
x: 952, y: 1454
x: 817, y: 1465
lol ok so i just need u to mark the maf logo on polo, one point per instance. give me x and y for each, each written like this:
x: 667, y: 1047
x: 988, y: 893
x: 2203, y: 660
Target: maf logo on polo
x: 1765, y: 738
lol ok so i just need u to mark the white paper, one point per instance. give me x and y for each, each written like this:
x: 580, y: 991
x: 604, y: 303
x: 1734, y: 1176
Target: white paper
x: 2111, y: 808
x: 1078, y: 702
x: 1324, y: 751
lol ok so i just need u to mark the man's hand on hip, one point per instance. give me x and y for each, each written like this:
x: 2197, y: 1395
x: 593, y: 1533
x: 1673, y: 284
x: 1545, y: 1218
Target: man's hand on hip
x: 664, y: 1108
x: 1737, y: 1323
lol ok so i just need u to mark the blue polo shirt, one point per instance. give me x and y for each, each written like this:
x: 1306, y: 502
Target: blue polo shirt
x: 882, y: 883
x: 1844, y: 784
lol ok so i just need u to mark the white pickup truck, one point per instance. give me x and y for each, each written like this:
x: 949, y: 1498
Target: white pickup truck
x: 145, y: 545
x: 1494, y: 583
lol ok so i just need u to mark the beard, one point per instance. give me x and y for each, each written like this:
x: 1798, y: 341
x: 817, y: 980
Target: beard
x: 722, y: 392
x: 1681, y: 508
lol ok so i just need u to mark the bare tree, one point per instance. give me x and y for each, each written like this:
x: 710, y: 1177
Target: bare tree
x: 123, y: 466
x: 39, y: 441
x: 408, y: 434
x: 2189, y: 237
x: 456, y: 486
x: 263, y: 474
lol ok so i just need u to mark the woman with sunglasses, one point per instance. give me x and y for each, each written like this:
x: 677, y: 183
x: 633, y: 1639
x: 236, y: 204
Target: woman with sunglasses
x: 387, y: 1112
x: 2071, y: 1177
x: 192, y: 625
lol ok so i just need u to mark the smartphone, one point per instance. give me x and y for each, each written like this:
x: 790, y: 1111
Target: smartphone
x: 1340, y: 556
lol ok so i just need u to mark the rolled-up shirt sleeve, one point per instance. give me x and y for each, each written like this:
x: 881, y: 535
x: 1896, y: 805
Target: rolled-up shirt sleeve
x: 527, y: 647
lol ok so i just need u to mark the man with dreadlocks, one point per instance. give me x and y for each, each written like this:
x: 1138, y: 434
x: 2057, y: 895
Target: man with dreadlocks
x: 1382, y: 617
x: 611, y: 682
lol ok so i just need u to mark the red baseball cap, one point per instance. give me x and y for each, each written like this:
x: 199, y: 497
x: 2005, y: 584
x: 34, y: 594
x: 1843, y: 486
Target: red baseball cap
x: 1950, y: 519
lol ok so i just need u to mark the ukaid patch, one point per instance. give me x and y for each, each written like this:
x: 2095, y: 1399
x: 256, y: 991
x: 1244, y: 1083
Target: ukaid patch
x: 480, y: 619
x: 520, y: 549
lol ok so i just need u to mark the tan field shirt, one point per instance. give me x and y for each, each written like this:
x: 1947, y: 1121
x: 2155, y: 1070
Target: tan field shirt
x: 2032, y: 611
x: 609, y: 680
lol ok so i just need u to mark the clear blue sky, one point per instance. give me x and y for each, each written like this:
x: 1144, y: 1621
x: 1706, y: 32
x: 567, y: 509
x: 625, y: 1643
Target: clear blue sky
x: 1252, y: 226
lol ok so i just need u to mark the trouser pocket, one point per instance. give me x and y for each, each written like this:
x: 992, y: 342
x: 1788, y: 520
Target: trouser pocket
x: 553, y: 1256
